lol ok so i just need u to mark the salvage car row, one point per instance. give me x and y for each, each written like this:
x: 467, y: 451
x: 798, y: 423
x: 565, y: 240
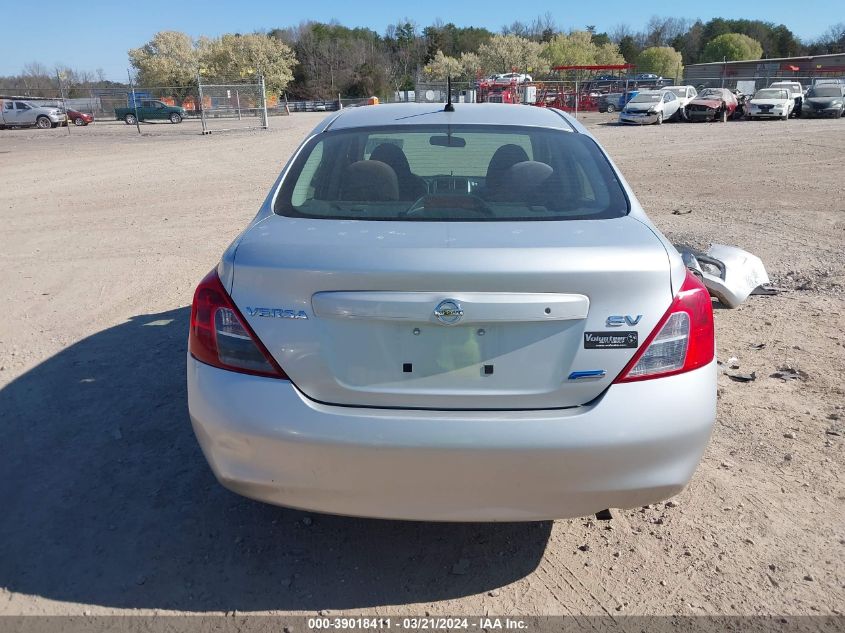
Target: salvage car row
x: 780, y: 100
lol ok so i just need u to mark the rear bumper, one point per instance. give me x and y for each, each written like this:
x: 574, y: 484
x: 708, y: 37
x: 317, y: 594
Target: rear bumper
x: 638, y: 444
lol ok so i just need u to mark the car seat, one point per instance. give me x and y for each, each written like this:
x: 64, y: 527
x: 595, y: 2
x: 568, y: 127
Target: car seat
x: 503, y: 159
x: 369, y: 181
x: 411, y: 186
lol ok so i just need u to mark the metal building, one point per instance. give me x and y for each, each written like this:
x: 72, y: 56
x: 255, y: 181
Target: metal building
x: 762, y: 72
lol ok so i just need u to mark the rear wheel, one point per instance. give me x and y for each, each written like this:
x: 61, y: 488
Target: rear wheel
x: 175, y: 118
x: 130, y: 119
x: 611, y: 108
x: 43, y: 123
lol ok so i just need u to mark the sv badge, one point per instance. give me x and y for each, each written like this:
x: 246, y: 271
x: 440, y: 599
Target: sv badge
x: 617, y: 320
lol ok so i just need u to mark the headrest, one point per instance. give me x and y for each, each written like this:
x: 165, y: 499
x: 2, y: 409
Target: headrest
x: 523, y: 181
x: 504, y: 157
x: 369, y: 181
x: 392, y: 155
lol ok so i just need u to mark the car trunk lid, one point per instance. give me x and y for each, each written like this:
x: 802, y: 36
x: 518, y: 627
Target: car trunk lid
x: 451, y: 315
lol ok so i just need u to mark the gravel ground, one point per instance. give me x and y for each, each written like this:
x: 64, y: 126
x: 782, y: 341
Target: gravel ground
x: 108, y: 505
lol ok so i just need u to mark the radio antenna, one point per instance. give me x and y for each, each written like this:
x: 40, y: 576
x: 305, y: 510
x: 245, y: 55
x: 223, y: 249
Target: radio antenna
x: 449, y: 107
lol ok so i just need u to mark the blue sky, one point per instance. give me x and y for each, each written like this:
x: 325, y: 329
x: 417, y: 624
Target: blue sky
x: 98, y: 35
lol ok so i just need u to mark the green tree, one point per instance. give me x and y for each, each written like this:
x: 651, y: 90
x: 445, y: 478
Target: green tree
x: 453, y: 40
x: 732, y: 47
x: 580, y: 48
x: 664, y: 61
x: 628, y: 48
x: 503, y: 53
x: 245, y: 56
x: 169, y: 59
x: 441, y: 67
x: 471, y: 65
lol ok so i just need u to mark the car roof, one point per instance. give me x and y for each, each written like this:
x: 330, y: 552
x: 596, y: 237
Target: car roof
x: 464, y: 114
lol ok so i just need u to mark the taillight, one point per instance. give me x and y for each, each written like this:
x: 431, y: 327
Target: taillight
x: 219, y: 335
x: 683, y: 340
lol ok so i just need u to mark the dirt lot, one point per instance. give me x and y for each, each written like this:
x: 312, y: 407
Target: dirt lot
x: 106, y: 503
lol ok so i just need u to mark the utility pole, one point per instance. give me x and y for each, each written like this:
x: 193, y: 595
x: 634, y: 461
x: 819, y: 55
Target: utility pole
x: 264, y: 104
x: 201, y: 105
x: 64, y: 102
x: 134, y: 101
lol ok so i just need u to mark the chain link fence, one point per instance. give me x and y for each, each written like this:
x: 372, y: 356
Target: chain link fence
x: 226, y: 106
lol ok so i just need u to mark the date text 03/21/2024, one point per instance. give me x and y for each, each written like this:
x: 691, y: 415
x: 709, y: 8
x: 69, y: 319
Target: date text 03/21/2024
x: 416, y: 624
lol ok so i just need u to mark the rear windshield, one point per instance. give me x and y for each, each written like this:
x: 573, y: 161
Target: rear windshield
x: 451, y: 173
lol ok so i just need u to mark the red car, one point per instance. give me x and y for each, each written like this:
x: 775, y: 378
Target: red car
x: 79, y: 118
x: 712, y: 104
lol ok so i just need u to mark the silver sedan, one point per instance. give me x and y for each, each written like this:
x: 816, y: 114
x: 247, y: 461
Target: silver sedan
x: 452, y: 315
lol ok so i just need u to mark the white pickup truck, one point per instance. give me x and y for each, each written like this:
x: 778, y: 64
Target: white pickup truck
x: 22, y: 113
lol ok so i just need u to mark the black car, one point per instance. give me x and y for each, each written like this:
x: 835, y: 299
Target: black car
x: 824, y: 100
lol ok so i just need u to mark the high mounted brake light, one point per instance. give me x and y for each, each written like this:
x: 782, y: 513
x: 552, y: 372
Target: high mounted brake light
x: 683, y: 339
x: 220, y: 336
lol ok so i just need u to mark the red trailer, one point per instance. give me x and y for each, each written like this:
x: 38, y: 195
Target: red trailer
x: 579, y: 87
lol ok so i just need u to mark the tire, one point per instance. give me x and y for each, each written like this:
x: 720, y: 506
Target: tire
x: 79, y: 121
x: 130, y: 119
x: 175, y: 117
x: 659, y: 119
x: 43, y: 123
x: 723, y: 117
x: 611, y: 108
